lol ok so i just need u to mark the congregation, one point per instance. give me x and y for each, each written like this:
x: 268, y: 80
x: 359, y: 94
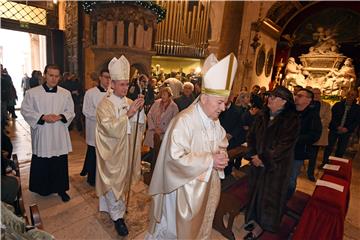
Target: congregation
x: 122, y: 115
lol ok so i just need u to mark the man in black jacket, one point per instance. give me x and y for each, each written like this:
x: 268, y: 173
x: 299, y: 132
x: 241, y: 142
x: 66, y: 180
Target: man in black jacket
x: 230, y: 120
x: 140, y: 85
x: 186, y: 98
x: 310, y: 132
x: 345, y: 117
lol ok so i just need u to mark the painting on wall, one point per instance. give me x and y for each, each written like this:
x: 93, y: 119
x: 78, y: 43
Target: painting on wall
x: 343, y: 25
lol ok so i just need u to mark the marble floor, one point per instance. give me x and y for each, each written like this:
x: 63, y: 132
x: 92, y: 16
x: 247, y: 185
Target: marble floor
x: 80, y: 219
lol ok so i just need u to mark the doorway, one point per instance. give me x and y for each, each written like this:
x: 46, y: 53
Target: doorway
x: 20, y: 54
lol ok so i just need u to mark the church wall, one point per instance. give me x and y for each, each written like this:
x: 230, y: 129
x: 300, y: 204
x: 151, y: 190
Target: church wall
x: 169, y: 63
x: 268, y: 44
x: 246, y: 54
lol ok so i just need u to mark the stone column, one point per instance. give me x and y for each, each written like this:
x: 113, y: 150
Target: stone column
x: 35, y: 49
x: 131, y: 34
x: 140, y: 37
x: 231, y: 28
x: 100, y: 33
x: 109, y: 34
x: 120, y: 34
x: 148, y: 38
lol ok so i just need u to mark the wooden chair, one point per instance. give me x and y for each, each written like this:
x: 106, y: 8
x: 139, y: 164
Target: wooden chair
x: 19, y: 203
x: 35, y: 217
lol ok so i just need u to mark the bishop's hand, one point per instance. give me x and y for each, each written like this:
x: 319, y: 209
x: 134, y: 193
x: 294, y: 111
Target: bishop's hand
x: 136, y: 105
x: 220, y: 160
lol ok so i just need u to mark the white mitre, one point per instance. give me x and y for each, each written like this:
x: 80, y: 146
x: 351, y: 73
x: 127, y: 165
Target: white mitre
x: 218, y: 76
x: 119, y: 69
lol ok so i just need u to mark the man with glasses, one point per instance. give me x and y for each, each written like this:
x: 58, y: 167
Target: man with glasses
x: 310, y: 132
x: 92, y: 98
x: 141, y: 85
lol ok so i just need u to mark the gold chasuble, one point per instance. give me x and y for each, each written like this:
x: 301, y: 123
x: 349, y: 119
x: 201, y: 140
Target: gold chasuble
x: 113, y: 136
x: 185, y: 167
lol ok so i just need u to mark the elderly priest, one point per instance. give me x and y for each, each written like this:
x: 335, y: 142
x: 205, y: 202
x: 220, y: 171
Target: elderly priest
x: 185, y: 187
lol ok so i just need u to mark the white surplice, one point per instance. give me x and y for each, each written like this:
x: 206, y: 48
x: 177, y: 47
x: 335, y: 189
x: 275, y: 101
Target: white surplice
x: 91, y: 100
x: 48, y: 139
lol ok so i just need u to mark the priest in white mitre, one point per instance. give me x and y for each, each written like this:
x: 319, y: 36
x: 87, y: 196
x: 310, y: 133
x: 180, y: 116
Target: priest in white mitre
x: 185, y: 185
x: 113, y: 135
x: 49, y: 109
x: 91, y: 100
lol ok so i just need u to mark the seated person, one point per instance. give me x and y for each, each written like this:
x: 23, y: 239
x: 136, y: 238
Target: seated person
x: 14, y: 228
x: 9, y: 182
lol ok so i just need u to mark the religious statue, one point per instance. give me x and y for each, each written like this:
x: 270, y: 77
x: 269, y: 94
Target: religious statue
x: 326, y: 42
x: 294, y: 74
x: 340, y: 80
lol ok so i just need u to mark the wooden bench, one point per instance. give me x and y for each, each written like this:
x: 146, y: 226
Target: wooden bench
x: 296, y: 204
x: 19, y: 203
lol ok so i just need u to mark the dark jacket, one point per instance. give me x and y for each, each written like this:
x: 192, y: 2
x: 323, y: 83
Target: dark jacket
x: 134, y: 91
x: 183, y: 102
x: 273, y: 141
x: 352, y: 117
x: 6, y: 85
x: 239, y: 133
x: 75, y: 89
x: 230, y: 120
x: 34, y: 82
x: 310, y: 132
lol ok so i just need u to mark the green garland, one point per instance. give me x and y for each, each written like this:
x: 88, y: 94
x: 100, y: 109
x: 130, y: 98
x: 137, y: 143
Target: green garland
x: 160, y: 12
x: 332, y: 97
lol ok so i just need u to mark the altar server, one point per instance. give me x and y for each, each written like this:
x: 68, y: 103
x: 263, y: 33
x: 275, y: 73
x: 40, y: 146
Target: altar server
x: 91, y: 100
x: 49, y: 109
x: 185, y: 186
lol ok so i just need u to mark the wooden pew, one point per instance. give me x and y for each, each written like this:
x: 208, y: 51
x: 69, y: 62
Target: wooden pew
x: 35, y: 217
x: 234, y: 196
x: 19, y: 203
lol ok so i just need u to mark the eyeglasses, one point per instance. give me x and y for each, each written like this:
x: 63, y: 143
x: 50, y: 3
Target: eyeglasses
x: 105, y: 76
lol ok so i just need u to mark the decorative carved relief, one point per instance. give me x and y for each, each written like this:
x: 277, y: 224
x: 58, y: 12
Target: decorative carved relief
x: 71, y: 35
x: 130, y: 13
x: 115, y: 30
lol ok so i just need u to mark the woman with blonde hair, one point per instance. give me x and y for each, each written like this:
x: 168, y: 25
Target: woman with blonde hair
x: 160, y: 115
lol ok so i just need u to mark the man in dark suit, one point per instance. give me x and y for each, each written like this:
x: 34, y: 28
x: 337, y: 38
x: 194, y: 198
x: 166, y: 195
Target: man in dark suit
x: 345, y: 118
x: 141, y: 85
